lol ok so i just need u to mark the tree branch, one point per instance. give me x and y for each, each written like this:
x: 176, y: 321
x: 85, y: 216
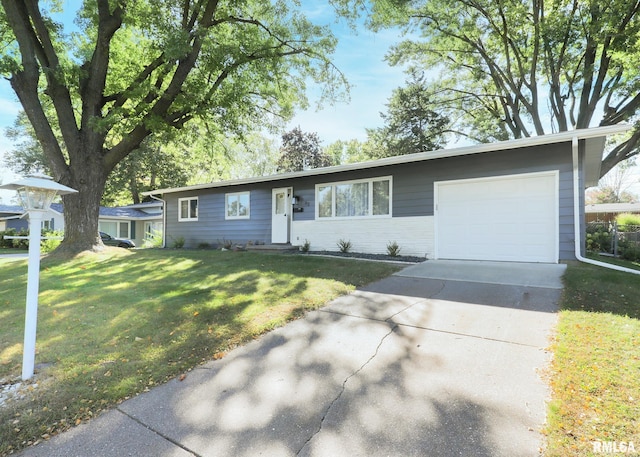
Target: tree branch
x: 92, y: 86
x: 25, y: 81
x: 163, y: 103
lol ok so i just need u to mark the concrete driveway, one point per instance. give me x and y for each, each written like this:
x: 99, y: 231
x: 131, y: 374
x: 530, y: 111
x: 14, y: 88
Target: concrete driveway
x: 441, y: 359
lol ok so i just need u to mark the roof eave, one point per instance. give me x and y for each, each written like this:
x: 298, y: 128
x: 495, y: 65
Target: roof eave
x: 595, y: 137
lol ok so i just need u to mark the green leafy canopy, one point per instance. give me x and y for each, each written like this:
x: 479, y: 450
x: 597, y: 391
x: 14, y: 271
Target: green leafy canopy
x: 134, y: 69
x: 506, y: 69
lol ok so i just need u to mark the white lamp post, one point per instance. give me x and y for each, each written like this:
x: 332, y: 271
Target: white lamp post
x: 36, y: 192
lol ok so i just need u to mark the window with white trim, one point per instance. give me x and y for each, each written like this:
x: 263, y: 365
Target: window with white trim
x: 152, y: 230
x: 117, y: 229
x: 353, y: 199
x: 188, y: 209
x: 237, y: 205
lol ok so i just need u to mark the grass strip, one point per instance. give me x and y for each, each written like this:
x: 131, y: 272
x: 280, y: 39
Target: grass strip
x: 595, y: 377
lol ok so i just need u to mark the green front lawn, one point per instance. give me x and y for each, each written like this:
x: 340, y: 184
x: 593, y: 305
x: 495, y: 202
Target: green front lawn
x: 115, y: 324
x: 595, y: 377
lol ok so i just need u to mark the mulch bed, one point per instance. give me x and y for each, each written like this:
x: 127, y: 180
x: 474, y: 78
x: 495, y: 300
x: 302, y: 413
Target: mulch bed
x: 359, y: 255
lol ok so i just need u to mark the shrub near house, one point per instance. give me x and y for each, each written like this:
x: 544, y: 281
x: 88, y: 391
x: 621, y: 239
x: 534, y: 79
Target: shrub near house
x: 629, y: 236
x: 627, y: 219
x: 47, y: 244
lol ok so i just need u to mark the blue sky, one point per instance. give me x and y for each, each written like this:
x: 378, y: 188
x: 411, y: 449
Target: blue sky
x: 359, y: 56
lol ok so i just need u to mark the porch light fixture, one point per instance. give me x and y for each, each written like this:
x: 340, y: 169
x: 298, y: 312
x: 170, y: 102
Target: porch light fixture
x: 35, y: 192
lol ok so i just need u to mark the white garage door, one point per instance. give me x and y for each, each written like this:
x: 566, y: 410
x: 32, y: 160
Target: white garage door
x: 508, y: 218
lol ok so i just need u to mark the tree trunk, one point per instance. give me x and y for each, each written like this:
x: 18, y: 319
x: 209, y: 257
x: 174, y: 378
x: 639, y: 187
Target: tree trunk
x: 135, y: 192
x: 82, y: 209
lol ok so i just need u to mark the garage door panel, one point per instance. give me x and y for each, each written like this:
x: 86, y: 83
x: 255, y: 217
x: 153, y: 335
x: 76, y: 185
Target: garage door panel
x: 510, y: 218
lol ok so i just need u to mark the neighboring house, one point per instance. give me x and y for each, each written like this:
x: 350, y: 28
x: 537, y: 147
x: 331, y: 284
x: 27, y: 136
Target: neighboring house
x: 507, y: 201
x: 10, y: 217
x: 135, y: 222
x: 607, y: 212
x: 13, y: 217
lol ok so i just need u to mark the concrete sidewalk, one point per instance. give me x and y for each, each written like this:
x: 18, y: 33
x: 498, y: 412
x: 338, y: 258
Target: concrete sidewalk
x: 409, y: 365
x: 14, y: 256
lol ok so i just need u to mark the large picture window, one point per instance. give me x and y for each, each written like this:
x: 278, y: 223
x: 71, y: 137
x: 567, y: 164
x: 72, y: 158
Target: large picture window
x: 188, y: 209
x: 347, y: 199
x: 238, y: 205
x: 117, y: 229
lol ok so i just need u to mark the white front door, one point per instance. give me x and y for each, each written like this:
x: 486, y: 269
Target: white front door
x: 281, y: 214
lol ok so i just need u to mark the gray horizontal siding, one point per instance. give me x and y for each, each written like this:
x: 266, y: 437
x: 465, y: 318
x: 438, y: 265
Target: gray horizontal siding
x: 212, y: 227
x: 413, y: 194
x: 304, y: 189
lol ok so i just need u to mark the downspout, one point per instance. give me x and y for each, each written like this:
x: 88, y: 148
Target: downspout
x: 576, y: 215
x: 164, y: 220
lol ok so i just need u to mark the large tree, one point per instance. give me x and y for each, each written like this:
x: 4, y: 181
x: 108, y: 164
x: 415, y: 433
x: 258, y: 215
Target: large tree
x: 301, y: 151
x: 411, y: 123
x: 194, y: 154
x: 159, y: 161
x: 515, y: 68
x: 144, y: 66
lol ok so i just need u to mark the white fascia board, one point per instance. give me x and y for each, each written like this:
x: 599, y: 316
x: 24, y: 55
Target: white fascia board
x: 129, y: 218
x: 594, y: 148
x: 612, y: 208
x: 10, y: 218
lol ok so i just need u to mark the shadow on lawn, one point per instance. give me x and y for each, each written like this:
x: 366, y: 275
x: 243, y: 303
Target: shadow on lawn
x: 596, y: 289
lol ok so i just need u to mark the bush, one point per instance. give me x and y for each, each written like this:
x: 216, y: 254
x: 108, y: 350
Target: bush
x: 5, y: 243
x: 153, y: 240
x: 630, y: 252
x: 393, y: 249
x: 50, y: 245
x: 599, y: 241
x: 627, y: 219
x: 598, y: 237
x: 21, y: 244
x: 305, y: 246
x: 628, y: 249
x: 344, y: 245
x: 45, y: 245
x: 178, y: 243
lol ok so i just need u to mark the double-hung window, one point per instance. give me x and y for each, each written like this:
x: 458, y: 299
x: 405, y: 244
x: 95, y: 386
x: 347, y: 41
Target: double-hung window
x: 353, y: 199
x: 188, y: 209
x: 237, y: 205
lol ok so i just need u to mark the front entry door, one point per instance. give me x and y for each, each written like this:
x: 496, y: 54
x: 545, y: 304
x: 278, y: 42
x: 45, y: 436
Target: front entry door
x: 281, y: 215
